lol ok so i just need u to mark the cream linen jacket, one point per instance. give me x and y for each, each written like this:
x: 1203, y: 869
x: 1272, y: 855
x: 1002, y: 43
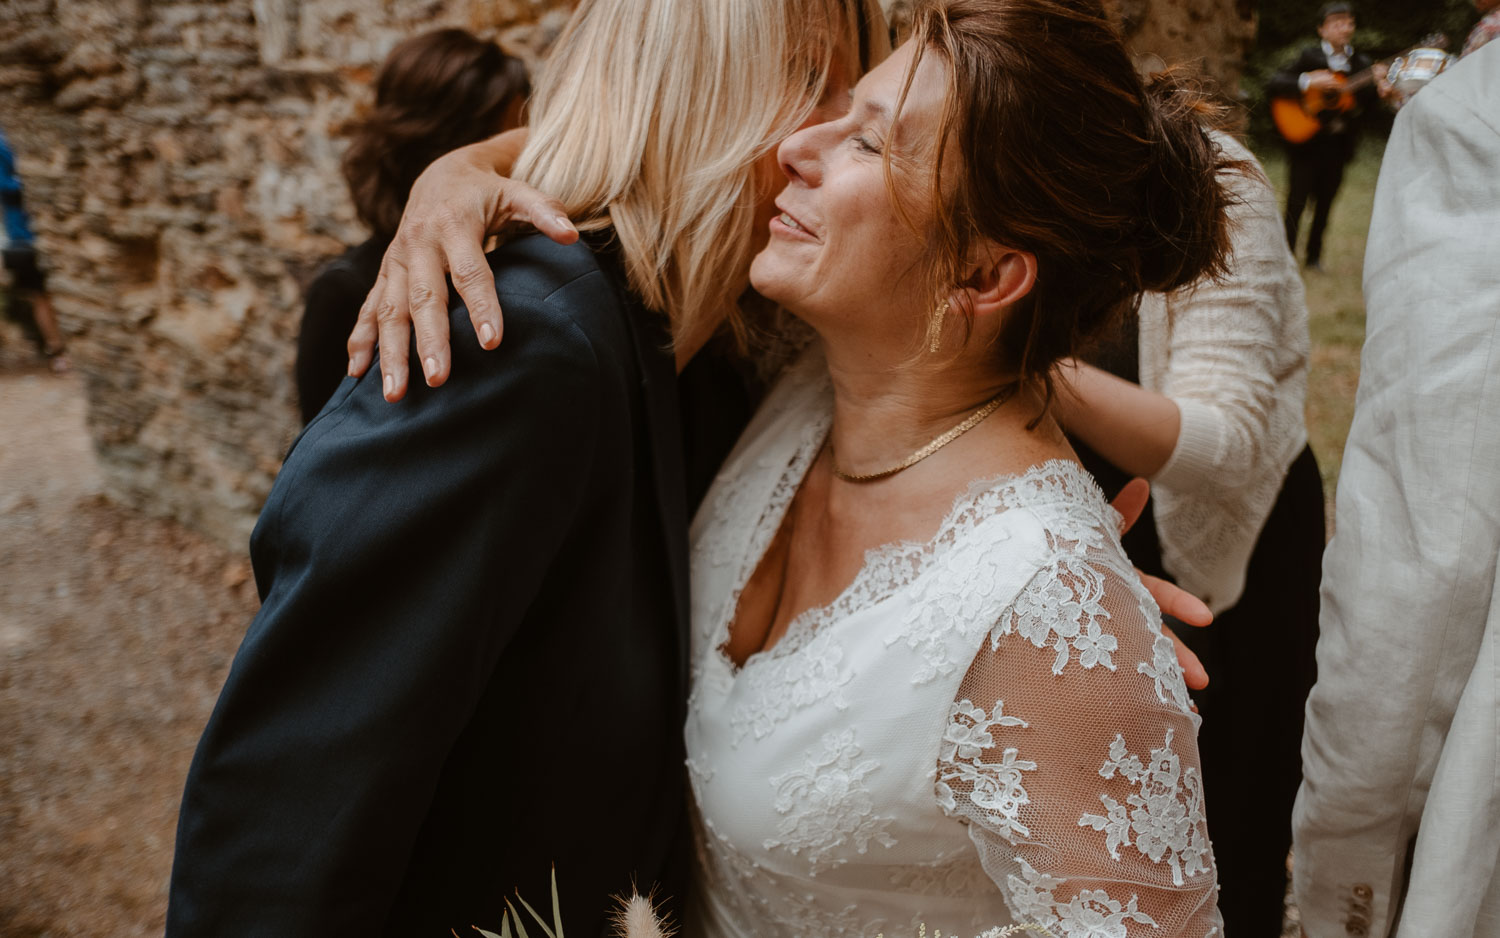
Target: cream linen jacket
x: 1397, y: 824
x: 1232, y: 356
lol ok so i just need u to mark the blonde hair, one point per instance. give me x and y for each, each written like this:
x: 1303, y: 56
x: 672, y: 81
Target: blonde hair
x: 650, y: 115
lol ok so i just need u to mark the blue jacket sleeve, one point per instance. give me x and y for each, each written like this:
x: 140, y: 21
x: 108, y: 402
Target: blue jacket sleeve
x: 396, y: 557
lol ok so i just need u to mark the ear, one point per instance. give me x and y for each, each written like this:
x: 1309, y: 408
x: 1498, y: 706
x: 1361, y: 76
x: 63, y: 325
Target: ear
x: 1000, y: 278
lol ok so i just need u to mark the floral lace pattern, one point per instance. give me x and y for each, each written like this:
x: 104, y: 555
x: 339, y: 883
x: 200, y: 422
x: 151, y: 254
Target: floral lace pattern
x: 962, y: 595
x: 792, y: 912
x: 1164, y: 670
x: 1164, y: 818
x: 1062, y: 607
x: 726, y: 540
x: 959, y: 877
x: 995, y: 788
x: 1091, y: 913
x: 827, y: 804
x: 777, y: 687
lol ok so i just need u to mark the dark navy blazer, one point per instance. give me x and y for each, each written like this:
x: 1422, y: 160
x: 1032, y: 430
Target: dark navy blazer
x: 470, y: 661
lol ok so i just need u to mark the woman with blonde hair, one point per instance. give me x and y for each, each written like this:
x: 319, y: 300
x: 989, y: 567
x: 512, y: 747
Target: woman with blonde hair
x: 470, y: 659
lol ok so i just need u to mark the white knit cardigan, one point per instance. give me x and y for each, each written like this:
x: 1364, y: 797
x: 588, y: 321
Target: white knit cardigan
x: 1233, y: 357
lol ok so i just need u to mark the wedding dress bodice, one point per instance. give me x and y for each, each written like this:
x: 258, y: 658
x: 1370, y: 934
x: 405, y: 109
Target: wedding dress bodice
x: 983, y: 729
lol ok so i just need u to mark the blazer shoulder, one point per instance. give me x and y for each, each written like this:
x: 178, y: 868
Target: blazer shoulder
x: 559, y: 288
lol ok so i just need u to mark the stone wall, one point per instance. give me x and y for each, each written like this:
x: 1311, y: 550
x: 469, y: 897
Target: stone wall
x: 1213, y: 35
x: 181, y: 160
x: 181, y: 164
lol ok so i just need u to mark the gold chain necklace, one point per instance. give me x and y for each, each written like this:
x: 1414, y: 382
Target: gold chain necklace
x: 972, y: 421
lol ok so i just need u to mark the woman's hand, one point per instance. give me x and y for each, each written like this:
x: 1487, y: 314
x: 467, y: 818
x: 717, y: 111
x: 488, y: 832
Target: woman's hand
x: 457, y: 202
x: 1172, y: 599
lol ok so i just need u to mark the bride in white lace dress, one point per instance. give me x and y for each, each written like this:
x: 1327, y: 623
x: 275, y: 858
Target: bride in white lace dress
x: 927, y: 686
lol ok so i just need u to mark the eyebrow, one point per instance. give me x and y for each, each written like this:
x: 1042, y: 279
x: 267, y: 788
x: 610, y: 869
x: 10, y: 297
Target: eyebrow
x: 875, y: 109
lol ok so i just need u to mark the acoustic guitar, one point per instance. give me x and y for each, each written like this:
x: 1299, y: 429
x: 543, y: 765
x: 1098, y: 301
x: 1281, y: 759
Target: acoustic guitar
x: 1299, y: 119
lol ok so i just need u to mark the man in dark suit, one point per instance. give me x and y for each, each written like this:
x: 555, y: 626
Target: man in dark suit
x: 470, y: 659
x: 1317, y: 166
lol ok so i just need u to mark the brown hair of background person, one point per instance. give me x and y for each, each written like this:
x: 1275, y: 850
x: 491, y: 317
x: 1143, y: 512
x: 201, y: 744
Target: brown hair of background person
x: 435, y: 93
x: 1129, y: 202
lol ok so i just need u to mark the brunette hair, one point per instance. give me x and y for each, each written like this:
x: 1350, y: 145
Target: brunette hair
x: 436, y: 92
x: 1112, y: 185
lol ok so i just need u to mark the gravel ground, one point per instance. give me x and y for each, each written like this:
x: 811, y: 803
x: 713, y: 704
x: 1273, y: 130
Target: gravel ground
x: 116, y: 631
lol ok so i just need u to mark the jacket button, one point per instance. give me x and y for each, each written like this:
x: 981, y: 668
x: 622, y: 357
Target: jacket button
x: 1364, y: 892
x: 1355, y: 929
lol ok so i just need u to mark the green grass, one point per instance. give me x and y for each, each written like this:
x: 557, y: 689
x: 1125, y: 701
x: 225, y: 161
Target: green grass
x: 1335, y: 306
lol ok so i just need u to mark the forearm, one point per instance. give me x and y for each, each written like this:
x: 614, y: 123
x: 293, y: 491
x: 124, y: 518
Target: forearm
x: 499, y: 152
x: 1135, y: 429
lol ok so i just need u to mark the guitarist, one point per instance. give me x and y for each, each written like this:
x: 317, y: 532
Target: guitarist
x: 1317, y: 166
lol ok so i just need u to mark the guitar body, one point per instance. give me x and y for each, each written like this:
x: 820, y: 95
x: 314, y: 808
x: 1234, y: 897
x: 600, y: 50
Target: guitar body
x: 1293, y: 123
x: 1298, y: 120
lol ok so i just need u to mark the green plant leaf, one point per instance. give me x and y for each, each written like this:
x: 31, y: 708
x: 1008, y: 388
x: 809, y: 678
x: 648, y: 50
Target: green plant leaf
x: 520, y: 925
x: 556, y: 906
x: 527, y: 905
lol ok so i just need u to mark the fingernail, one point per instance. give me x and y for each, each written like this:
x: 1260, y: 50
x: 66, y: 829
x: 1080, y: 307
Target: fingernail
x: 486, y: 334
x: 390, y: 385
x: 562, y: 221
x: 429, y: 367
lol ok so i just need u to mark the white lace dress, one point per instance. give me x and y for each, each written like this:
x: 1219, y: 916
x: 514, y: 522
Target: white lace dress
x: 985, y: 729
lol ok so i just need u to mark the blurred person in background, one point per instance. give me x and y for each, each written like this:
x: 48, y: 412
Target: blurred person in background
x: 435, y: 93
x: 28, y: 284
x: 1486, y: 29
x: 1317, y: 165
x: 1203, y: 394
x: 1398, y: 820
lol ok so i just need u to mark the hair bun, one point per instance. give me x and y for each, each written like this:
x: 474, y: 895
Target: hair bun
x: 1184, y: 232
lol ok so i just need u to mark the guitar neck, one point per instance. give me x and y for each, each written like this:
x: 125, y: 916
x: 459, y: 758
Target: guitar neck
x: 1363, y: 77
x: 1359, y: 79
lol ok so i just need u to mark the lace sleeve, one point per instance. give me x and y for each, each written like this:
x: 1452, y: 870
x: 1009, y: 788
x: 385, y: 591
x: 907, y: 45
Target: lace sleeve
x: 1071, y: 752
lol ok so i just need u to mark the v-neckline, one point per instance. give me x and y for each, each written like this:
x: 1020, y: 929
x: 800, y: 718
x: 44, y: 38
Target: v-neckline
x: 860, y: 593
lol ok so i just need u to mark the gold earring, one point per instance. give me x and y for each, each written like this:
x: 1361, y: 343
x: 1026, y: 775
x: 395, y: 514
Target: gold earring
x: 935, y: 327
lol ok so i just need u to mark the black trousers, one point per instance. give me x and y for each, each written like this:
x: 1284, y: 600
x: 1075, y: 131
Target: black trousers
x: 1317, y: 171
x: 1261, y: 665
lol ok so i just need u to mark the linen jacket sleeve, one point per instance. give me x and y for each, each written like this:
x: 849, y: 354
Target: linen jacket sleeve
x: 396, y: 557
x: 1400, y: 742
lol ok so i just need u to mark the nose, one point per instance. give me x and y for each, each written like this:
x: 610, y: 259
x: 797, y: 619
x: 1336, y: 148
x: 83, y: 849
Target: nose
x: 800, y: 155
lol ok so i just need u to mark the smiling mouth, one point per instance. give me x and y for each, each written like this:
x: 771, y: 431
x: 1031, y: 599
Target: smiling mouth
x: 790, y: 222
